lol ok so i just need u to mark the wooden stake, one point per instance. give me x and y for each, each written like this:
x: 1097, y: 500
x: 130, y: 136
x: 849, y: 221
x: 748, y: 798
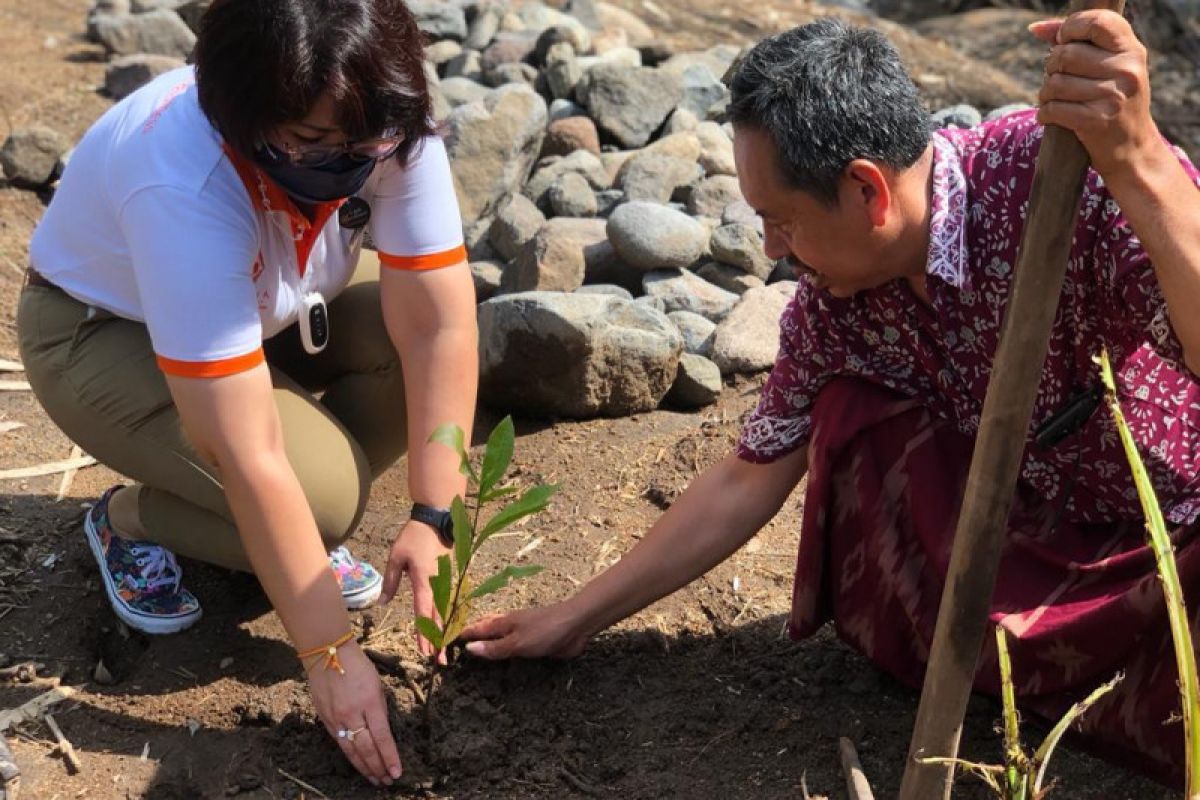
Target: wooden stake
x: 64, y: 746
x: 996, y: 462
x: 69, y: 475
x: 49, y: 468
x: 34, y: 708
x: 857, y: 787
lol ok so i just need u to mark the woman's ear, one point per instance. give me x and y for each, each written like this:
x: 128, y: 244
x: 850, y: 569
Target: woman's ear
x: 868, y: 189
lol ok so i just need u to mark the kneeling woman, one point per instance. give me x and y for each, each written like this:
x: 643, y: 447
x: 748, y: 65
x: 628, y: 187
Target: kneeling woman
x: 197, y: 278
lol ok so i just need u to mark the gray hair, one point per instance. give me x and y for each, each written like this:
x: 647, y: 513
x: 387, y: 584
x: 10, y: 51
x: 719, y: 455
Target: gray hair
x: 828, y: 93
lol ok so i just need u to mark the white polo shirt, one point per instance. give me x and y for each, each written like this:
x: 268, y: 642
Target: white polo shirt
x: 155, y: 221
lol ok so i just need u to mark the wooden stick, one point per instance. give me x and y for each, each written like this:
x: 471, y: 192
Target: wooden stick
x: 996, y: 462
x: 10, y: 773
x: 49, y: 468
x: 74, y: 765
x: 857, y: 787
x: 15, y: 386
x: 8, y: 365
x: 304, y: 785
x: 69, y: 475
x: 34, y: 708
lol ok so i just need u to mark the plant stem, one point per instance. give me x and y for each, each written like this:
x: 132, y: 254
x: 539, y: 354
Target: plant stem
x: 1164, y: 555
x: 461, y: 574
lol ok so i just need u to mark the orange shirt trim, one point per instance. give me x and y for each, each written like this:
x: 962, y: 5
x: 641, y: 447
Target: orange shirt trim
x: 211, y: 369
x: 446, y: 258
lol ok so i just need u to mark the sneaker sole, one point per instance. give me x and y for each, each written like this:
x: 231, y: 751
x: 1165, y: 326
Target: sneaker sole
x: 146, y: 623
x: 364, y: 597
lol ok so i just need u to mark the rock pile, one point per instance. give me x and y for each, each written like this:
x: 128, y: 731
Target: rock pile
x: 615, y: 260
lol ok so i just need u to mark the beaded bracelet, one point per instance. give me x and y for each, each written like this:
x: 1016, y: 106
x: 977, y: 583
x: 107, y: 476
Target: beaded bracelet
x: 328, y: 652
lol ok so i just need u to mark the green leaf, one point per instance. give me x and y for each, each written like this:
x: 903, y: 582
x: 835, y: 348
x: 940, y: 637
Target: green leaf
x: 533, y: 501
x: 496, y: 494
x: 440, y: 584
x: 464, y: 535
x: 497, y: 455
x: 453, y: 437
x: 430, y: 631
x: 502, y: 579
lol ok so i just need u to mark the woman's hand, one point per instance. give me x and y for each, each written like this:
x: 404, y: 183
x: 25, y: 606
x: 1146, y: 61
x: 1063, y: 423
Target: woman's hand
x: 1098, y: 86
x: 547, y: 631
x: 416, y: 552
x: 354, y: 701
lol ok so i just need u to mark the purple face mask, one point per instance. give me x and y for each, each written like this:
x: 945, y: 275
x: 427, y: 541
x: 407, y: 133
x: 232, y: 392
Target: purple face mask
x: 341, y: 177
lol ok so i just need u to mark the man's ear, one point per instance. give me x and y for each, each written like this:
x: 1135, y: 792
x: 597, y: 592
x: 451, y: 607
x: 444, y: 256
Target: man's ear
x: 866, y: 187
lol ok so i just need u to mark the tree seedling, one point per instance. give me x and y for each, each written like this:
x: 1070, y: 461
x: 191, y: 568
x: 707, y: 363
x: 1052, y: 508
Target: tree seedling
x: 453, y: 591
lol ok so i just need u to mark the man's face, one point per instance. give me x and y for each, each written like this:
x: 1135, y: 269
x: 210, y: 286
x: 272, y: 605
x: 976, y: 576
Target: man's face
x: 831, y: 246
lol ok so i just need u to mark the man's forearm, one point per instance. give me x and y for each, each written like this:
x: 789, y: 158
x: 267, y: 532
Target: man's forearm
x: 715, y: 516
x: 1163, y: 208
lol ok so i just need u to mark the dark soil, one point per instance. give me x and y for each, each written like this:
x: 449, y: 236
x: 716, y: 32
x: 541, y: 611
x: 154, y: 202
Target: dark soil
x: 699, y: 696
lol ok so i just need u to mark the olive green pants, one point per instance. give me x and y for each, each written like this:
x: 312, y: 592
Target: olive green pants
x: 96, y: 376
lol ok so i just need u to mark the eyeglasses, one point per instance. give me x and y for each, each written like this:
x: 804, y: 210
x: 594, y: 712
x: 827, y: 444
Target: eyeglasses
x: 318, y: 155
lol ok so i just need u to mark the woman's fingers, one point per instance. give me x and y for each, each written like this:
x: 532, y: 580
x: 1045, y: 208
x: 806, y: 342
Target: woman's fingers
x: 367, y: 749
x: 385, y: 742
x: 351, y: 755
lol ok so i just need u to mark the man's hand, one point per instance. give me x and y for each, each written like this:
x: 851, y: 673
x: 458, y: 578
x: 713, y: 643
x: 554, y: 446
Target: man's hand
x: 1097, y: 86
x: 415, y: 551
x: 544, y: 632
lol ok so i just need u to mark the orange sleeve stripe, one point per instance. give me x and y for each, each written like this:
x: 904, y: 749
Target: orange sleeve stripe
x: 446, y: 258
x: 211, y: 369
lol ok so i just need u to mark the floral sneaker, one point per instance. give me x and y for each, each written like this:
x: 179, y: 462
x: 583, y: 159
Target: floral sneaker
x: 361, y: 583
x: 141, y: 578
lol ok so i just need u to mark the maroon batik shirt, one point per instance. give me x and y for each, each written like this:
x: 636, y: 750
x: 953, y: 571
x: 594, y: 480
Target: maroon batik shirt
x: 942, y: 354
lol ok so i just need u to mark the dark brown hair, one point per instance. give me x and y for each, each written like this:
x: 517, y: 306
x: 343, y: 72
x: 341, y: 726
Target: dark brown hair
x: 261, y: 63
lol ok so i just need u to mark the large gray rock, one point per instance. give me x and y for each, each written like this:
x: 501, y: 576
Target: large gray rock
x: 654, y: 177
x: 716, y: 149
x: 683, y: 290
x: 715, y: 59
x: 551, y: 169
x: 740, y: 246
x: 439, y: 19
x: 556, y: 258
x: 630, y: 103
x: 160, y: 32
x: 440, y: 54
x: 144, y: 6
x: 492, y: 144
x: 731, y: 279
x: 31, y: 157
x: 701, y: 90
x: 458, y: 91
x: 713, y: 195
x: 571, y: 196
x: 650, y: 236
x: 697, y: 383
x: 575, y: 355
x: 604, y: 266
x: 126, y: 74
x: 487, y: 276
x: 517, y: 222
x: 696, y: 331
x: 748, y: 339
x: 466, y: 64
x: 503, y: 74
x: 742, y: 213
x: 484, y: 27
x: 509, y: 47
x: 563, y: 71
x: 606, y: 288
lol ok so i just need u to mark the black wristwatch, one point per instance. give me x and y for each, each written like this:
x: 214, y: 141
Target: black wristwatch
x: 436, y: 518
